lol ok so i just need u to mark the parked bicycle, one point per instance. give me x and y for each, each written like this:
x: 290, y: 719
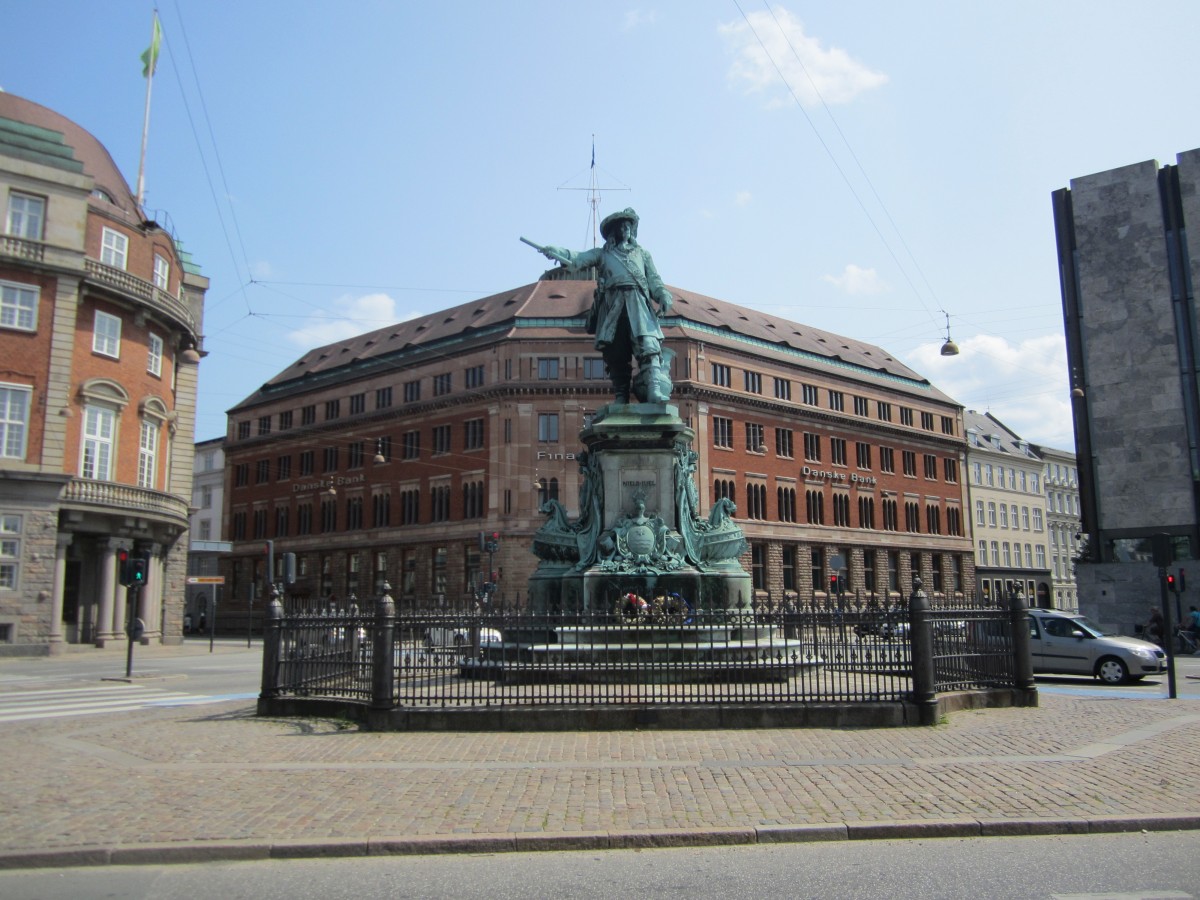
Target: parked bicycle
x: 1184, y: 641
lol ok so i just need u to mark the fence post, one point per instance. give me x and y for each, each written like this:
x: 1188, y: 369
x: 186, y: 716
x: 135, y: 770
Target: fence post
x: 921, y: 645
x: 1022, y: 661
x: 383, y: 655
x: 272, y: 640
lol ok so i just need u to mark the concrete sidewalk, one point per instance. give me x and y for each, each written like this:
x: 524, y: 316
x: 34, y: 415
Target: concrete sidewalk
x: 215, y: 782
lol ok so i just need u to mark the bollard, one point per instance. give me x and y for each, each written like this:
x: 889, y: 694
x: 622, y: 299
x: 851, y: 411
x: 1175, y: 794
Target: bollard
x: 924, y: 692
x: 383, y: 656
x: 272, y: 639
x: 1022, y: 660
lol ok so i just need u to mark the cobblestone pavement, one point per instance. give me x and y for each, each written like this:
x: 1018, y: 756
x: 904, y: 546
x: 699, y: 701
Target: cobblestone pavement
x: 218, y: 782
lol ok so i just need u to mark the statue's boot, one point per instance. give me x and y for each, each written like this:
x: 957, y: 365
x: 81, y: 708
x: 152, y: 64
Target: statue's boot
x: 657, y: 386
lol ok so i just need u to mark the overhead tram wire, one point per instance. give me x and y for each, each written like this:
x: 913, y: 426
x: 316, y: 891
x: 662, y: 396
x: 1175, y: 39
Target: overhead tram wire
x: 213, y: 139
x: 204, y: 163
x: 854, y: 156
x: 825, y: 146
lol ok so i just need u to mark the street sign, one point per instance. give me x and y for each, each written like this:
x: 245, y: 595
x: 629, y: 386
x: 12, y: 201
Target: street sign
x: 206, y: 579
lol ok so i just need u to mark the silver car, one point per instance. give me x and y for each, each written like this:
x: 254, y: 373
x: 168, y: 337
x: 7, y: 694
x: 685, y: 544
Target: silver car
x: 1065, y: 644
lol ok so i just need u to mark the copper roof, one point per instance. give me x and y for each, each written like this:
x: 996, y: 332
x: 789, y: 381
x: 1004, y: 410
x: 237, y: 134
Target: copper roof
x: 85, y: 149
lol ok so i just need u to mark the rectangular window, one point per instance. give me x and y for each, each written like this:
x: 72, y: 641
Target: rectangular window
x: 358, y: 404
x: 354, y: 455
x: 548, y: 427
x: 593, y: 369
x: 931, y: 467
x: 162, y: 272
x: 383, y: 398
x: 264, y: 425
x: 26, y: 215
x: 285, y: 420
x: 809, y: 394
x: 909, y: 458
x: 147, y: 452
x: 947, y: 425
x: 330, y: 461
x: 837, y: 401
x: 333, y: 410
x: 927, y: 421
x: 783, y: 389
x: 308, y: 414
x: 306, y: 463
x: 862, y: 454
x: 906, y: 416
x: 721, y: 375
x: 887, y: 460
x: 474, y: 377
x: 10, y: 552
x: 412, y: 444
x: 884, y: 411
x: 283, y: 468
x: 754, y: 438
x: 860, y: 406
x: 837, y: 451
x: 442, y: 384
x: 243, y: 430
x: 106, y: 338
x: 783, y: 442
x: 14, y: 420
x: 812, y: 447
x: 722, y: 432
x: 753, y: 382
x: 99, y: 432
x: 154, y: 355
x: 114, y: 247
x: 547, y: 369
x: 950, y: 469
x: 441, y: 439
x: 412, y: 391
x: 473, y: 434
x: 18, y: 306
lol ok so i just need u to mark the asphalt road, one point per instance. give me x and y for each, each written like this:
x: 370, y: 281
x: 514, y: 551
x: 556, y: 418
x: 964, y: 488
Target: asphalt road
x: 1135, y: 866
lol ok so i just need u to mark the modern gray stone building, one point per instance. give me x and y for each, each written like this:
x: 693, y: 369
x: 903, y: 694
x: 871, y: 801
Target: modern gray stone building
x: 1128, y: 265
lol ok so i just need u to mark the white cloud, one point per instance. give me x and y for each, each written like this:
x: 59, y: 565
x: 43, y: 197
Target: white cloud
x: 1023, y: 385
x: 857, y: 280
x: 350, y: 316
x: 812, y: 71
x: 742, y: 198
x: 261, y: 270
x: 635, y: 18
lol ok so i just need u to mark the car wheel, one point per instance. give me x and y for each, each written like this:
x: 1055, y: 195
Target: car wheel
x: 1111, y: 670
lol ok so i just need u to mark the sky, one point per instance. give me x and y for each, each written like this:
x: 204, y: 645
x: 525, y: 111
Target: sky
x: 876, y: 169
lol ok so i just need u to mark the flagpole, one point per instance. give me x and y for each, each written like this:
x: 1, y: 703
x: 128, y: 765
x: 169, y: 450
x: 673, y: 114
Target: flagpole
x: 141, y: 179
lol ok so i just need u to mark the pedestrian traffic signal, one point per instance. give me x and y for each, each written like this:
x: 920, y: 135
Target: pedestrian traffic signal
x: 489, y: 541
x: 131, y: 569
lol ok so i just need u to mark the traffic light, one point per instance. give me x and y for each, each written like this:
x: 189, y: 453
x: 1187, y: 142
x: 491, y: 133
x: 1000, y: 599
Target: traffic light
x: 489, y: 541
x: 289, y: 568
x: 1182, y: 581
x: 132, y: 569
x: 835, y: 584
x: 1171, y: 586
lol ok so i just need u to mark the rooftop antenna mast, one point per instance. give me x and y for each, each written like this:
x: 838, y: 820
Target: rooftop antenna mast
x: 594, y: 195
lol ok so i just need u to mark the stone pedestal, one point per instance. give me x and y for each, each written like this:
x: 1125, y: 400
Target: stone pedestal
x: 638, y: 530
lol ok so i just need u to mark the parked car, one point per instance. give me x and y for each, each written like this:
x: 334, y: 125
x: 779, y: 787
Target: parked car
x: 459, y: 637
x: 1064, y: 644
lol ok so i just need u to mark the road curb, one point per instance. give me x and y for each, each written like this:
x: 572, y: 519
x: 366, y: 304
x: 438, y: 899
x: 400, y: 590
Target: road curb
x: 415, y: 845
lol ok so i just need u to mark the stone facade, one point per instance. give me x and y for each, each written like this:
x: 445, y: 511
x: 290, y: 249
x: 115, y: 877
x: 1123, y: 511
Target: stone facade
x: 1127, y: 259
x: 99, y: 390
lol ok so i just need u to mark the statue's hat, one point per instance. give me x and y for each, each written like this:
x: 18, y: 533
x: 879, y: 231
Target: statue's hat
x: 612, y: 219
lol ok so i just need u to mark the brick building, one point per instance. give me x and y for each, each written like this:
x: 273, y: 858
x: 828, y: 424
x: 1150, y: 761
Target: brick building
x: 384, y: 456
x: 100, y: 314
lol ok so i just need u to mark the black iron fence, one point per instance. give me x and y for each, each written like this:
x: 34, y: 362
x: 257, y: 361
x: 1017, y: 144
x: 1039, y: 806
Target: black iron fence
x: 840, y: 651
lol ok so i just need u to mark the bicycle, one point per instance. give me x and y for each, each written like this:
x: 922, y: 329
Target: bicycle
x: 1184, y: 641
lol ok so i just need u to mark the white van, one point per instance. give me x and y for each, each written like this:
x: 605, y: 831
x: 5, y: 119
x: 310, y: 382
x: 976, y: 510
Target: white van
x: 1065, y: 644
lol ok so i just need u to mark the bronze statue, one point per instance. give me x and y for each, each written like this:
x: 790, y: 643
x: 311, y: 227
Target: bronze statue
x: 622, y: 318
